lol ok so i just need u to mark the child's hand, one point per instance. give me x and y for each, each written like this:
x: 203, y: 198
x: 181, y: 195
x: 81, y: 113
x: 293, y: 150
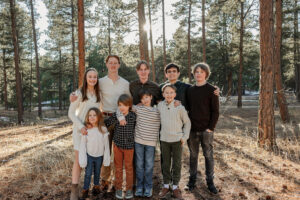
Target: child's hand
x: 177, y: 103
x: 208, y: 130
x: 83, y: 131
x: 73, y: 97
x: 217, y: 91
x: 182, y: 142
x: 123, y: 122
x: 89, y: 126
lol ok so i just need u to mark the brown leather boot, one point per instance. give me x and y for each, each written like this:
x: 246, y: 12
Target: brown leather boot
x: 164, y: 191
x: 177, y: 193
x: 74, y: 192
x: 96, y: 190
x: 84, y: 194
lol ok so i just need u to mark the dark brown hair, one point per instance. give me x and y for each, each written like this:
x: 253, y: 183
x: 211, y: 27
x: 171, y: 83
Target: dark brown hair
x: 85, y: 85
x: 126, y: 100
x: 100, y: 119
x: 171, y: 65
x: 204, y: 67
x: 112, y: 56
x: 144, y: 92
x: 139, y: 64
x: 168, y: 85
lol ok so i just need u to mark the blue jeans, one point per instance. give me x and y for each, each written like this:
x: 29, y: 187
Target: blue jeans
x: 144, y: 162
x: 93, y: 164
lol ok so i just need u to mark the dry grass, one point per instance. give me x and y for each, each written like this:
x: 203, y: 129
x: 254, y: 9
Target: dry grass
x: 36, y: 160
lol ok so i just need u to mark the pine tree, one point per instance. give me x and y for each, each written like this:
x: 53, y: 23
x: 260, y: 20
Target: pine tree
x: 266, y: 123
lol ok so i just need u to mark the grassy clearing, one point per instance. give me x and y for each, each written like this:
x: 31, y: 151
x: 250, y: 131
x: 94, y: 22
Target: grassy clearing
x: 36, y: 160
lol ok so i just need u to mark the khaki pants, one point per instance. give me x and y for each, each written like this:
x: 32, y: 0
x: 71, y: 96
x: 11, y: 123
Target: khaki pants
x: 107, y: 173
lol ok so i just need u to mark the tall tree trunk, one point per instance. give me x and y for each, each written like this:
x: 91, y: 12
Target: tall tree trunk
x: 189, y: 41
x: 73, y: 45
x: 37, y: 64
x: 240, y: 82
x: 151, y: 43
x: 284, y: 113
x: 5, y: 80
x: 296, y: 51
x: 81, y: 51
x: 109, y: 42
x: 164, y: 35
x: 60, y: 82
x: 266, y: 124
x: 144, y: 54
x: 30, y: 94
x: 16, y: 58
x: 203, y: 32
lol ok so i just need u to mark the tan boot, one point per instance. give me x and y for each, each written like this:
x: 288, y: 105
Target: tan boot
x: 74, y: 192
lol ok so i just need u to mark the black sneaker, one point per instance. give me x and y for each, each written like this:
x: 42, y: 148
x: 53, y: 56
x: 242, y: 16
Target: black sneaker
x: 211, y: 187
x: 189, y: 187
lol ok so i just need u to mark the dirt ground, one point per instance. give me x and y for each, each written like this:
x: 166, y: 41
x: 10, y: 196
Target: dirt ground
x: 36, y: 159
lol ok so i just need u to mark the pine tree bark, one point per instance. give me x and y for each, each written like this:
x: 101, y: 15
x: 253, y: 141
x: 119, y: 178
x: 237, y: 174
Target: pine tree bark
x: 37, y: 64
x: 73, y: 45
x: 266, y: 124
x: 203, y: 32
x: 296, y: 52
x: 109, y: 42
x: 5, y: 80
x: 281, y: 100
x: 30, y: 94
x: 144, y: 54
x: 164, y: 35
x: 189, y: 41
x: 240, y: 82
x: 151, y: 43
x: 16, y: 59
x: 81, y: 50
x: 60, y: 82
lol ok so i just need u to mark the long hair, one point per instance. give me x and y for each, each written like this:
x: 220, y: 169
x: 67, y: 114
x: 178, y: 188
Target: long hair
x: 85, y: 85
x: 100, y: 119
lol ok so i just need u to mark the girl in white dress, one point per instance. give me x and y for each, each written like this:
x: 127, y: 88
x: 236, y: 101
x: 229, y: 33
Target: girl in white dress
x: 88, y: 97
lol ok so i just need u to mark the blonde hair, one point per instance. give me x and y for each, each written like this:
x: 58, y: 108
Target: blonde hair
x: 100, y: 119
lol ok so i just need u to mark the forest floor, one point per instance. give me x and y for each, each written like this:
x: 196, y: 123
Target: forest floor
x: 36, y: 159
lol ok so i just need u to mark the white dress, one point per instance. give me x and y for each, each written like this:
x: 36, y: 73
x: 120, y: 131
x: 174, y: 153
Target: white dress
x: 77, y: 113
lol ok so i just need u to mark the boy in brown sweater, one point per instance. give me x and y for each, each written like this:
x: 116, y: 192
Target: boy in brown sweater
x: 203, y: 107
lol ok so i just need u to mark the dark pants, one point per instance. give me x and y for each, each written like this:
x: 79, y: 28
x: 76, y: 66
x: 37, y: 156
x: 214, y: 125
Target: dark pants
x: 171, y: 153
x: 93, y: 164
x: 206, y: 140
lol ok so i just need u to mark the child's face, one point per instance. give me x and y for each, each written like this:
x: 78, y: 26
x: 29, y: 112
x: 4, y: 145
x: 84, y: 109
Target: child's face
x: 91, y: 78
x: 146, y: 100
x: 123, y: 108
x: 93, y: 118
x: 169, y: 94
x: 200, y: 75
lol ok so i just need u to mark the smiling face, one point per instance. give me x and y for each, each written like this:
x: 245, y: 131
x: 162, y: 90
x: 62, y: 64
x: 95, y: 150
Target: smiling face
x: 91, y: 78
x: 123, y: 108
x: 113, y: 65
x: 93, y: 120
x: 169, y: 94
x: 143, y: 72
x: 146, y: 100
x: 172, y: 74
x: 200, y: 75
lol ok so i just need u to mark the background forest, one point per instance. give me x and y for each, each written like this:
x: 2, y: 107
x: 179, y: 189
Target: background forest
x: 108, y: 23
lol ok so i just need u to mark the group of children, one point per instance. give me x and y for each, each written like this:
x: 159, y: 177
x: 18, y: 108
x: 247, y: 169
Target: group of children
x: 136, y: 132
